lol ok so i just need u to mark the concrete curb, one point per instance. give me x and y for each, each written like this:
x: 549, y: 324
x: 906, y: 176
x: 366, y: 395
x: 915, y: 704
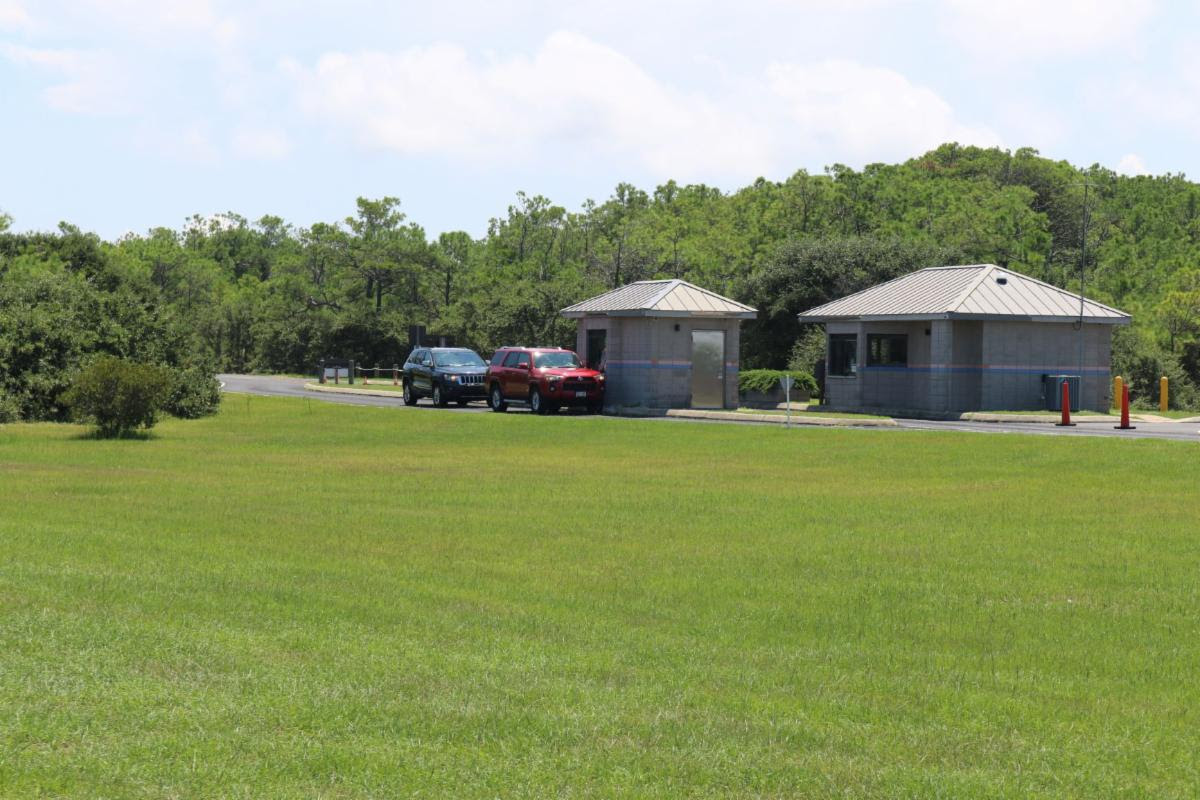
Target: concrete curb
x: 737, y: 416
x: 316, y: 387
x: 1039, y: 419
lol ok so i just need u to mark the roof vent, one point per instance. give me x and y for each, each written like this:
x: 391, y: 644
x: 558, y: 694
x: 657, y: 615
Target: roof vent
x: 1003, y: 281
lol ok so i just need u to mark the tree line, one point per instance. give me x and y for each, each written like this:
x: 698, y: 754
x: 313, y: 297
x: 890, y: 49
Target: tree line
x: 225, y: 293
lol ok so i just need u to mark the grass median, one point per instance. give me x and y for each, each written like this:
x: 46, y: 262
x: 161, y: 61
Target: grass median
x: 298, y: 599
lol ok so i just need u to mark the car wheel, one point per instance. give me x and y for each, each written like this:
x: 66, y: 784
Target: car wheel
x: 595, y: 408
x: 496, y: 399
x: 410, y: 399
x: 537, y: 403
x: 438, y: 399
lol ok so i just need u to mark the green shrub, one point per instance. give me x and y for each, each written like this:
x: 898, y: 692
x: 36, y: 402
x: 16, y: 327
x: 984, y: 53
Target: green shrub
x: 766, y: 380
x: 10, y: 409
x: 808, y: 349
x: 118, y: 396
x: 1140, y: 361
x: 194, y: 393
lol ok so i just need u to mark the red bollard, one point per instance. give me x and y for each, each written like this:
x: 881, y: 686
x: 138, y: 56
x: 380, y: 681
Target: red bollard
x: 1066, y: 406
x: 1125, y: 426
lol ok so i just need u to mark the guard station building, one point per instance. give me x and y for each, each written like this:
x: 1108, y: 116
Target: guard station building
x: 945, y: 340
x: 663, y: 344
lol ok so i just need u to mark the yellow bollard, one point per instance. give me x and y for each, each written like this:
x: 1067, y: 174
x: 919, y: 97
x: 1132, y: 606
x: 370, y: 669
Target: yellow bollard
x: 1118, y: 382
x: 1162, y: 394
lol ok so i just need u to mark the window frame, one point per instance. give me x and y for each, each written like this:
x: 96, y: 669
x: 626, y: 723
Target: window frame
x: 852, y: 366
x: 875, y: 343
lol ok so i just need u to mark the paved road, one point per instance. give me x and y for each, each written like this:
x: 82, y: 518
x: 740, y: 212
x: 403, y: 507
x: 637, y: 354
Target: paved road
x: 273, y: 386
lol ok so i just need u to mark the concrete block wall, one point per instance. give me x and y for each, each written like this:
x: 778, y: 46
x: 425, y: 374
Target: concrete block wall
x: 1017, y: 354
x: 966, y: 381
x: 966, y: 365
x: 649, y: 361
x: 895, y: 387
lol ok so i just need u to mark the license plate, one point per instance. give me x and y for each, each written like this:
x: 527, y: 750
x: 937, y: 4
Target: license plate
x: 581, y: 394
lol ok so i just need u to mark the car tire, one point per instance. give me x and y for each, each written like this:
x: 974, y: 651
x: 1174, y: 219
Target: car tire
x: 438, y: 399
x: 595, y: 408
x: 537, y: 403
x: 410, y: 397
x: 496, y: 399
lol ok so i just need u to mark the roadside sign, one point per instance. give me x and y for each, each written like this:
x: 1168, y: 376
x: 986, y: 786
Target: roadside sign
x: 785, y: 381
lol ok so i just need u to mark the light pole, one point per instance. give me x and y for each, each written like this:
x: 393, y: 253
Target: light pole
x: 1086, y: 184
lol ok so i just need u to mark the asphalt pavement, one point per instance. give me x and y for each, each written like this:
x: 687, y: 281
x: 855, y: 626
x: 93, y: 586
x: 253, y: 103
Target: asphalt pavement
x: 274, y: 386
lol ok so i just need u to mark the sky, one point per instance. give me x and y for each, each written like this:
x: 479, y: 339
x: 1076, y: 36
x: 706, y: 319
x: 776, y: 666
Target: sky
x: 123, y: 115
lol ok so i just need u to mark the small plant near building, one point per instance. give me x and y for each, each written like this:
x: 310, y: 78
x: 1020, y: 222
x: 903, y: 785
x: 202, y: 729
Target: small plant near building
x: 765, y: 381
x: 119, y: 396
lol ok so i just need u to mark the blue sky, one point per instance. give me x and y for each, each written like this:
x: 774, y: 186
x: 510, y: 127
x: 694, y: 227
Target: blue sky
x: 122, y: 115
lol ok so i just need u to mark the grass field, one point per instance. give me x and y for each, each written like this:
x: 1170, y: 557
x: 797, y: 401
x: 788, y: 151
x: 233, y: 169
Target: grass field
x: 385, y: 385
x: 298, y: 599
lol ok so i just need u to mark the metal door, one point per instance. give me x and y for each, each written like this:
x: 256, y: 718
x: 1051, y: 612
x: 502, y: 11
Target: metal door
x: 708, y: 369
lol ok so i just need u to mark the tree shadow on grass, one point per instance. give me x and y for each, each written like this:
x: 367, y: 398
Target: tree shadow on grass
x: 101, y: 436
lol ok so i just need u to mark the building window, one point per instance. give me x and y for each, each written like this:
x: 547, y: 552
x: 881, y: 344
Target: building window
x: 887, y: 350
x: 843, y: 354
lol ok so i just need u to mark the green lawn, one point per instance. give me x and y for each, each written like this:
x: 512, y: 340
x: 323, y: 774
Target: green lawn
x: 300, y: 599
x: 385, y: 385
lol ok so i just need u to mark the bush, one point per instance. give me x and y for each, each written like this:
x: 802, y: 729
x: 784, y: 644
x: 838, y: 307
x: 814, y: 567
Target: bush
x: 808, y: 349
x: 194, y: 393
x: 766, y: 380
x: 1141, y: 362
x: 10, y: 409
x: 118, y: 396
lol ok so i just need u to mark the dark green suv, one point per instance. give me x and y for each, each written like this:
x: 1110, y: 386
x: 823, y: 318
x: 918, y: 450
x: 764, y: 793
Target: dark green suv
x: 445, y: 374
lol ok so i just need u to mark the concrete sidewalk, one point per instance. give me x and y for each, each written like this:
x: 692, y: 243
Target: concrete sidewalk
x: 797, y: 418
x: 1082, y: 419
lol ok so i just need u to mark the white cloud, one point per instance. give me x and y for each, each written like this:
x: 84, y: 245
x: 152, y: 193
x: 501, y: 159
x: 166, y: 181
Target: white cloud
x: 1132, y: 164
x: 150, y: 20
x: 92, y: 81
x: 572, y: 93
x: 13, y: 16
x: 1008, y: 30
x: 865, y: 113
x: 584, y: 99
x: 261, y: 143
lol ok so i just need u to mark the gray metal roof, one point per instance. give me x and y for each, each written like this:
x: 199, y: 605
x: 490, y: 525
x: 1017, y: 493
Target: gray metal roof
x: 667, y: 298
x: 975, y: 291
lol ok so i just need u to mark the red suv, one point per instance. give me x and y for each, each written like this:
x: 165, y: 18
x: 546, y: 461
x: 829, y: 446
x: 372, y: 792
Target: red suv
x: 544, y: 377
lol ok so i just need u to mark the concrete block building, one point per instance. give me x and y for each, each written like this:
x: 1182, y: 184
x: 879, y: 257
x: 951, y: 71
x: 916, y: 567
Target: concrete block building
x: 945, y: 340
x: 663, y: 344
